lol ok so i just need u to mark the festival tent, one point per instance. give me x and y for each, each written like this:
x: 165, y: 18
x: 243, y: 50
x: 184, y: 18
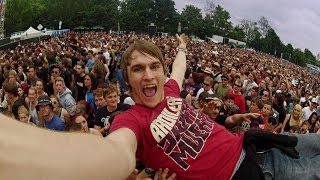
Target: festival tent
x: 31, y: 33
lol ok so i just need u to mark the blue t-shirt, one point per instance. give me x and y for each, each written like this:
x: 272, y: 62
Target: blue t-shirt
x: 90, y: 99
x: 90, y: 63
x: 122, y: 82
x: 55, y: 124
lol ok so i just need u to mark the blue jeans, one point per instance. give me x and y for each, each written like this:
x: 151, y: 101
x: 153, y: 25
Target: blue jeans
x: 277, y: 165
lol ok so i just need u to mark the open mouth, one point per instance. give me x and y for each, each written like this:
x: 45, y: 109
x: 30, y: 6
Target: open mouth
x: 149, y: 90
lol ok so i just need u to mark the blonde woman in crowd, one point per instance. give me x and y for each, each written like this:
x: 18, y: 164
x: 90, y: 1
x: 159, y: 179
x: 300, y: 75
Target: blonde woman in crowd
x: 293, y: 119
x: 24, y: 116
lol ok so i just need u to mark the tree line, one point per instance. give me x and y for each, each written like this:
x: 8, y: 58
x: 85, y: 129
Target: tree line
x: 136, y: 15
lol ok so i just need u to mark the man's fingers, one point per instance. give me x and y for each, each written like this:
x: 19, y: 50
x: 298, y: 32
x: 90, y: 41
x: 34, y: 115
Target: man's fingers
x: 164, y: 173
x: 172, y: 177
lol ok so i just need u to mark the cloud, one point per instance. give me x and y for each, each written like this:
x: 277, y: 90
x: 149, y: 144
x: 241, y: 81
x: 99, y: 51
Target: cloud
x: 295, y: 22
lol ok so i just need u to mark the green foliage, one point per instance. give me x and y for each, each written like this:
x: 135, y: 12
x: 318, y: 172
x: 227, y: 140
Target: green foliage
x: 166, y: 17
x: 191, y: 20
x: 20, y: 14
x: 272, y: 43
x: 221, y: 22
x: 238, y: 34
x: 298, y: 57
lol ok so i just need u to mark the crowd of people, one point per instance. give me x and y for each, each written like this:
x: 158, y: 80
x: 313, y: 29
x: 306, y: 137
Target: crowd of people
x: 76, y: 83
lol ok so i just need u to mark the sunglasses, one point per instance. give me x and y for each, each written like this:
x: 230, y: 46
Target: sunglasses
x: 237, y: 85
x: 205, y: 84
x: 55, y: 72
x: 265, y: 95
x: 54, y: 102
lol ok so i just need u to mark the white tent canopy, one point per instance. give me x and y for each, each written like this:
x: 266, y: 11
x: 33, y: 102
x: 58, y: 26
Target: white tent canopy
x: 31, y: 33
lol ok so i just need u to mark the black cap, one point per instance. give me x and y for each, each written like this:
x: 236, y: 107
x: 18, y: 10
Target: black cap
x: 44, y: 100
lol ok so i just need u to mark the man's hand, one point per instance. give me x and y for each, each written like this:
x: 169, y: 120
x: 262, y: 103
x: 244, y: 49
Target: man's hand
x: 163, y: 174
x: 237, y: 119
x: 248, y: 116
x: 183, y: 40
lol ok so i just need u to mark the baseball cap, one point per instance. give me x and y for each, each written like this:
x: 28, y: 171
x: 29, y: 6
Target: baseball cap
x: 44, y: 100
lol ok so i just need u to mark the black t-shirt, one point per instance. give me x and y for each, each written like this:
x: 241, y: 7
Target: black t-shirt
x: 67, y: 76
x: 90, y: 120
x: 15, y: 107
x: 81, y: 89
x: 103, y: 115
x: 43, y: 74
x: 281, y: 111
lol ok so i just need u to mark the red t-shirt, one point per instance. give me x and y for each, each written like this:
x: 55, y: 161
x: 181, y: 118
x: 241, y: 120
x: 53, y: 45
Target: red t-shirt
x: 173, y: 135
x: 239, y: 101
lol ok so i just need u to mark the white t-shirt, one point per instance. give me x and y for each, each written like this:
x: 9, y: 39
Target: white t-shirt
x: 129, y: 100
x: 306, y: 113
x: 106, y: 54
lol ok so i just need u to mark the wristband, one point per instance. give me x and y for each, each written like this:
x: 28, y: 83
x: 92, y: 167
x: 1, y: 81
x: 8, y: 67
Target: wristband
x: 183, y: 49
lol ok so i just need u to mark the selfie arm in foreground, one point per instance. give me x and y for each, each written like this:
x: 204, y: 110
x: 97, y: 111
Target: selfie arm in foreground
x: 28, y: 152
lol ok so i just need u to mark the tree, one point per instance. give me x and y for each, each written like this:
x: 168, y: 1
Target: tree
x: 252, y: 34
x: 222, y: 25
x: 209, y: 9
x: 191, y: 20
x: 272, y: 43
x: 310, y: 58
x: 264, y: 26
x: 237, y: 33
x: 20, y: 14
x: 298, y: 57
x: 103, y: 13
x: 136, y: 15
x: 166, y: 17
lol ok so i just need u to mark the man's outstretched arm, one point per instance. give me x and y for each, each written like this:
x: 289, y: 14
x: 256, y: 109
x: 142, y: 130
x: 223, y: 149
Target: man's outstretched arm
x: 28, y: 152
x: 179, y: 65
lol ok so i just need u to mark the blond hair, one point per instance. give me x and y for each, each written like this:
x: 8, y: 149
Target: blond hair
x: 23, y: 110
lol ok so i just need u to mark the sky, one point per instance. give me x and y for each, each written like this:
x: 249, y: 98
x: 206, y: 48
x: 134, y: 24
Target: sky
x: 295, y: 22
